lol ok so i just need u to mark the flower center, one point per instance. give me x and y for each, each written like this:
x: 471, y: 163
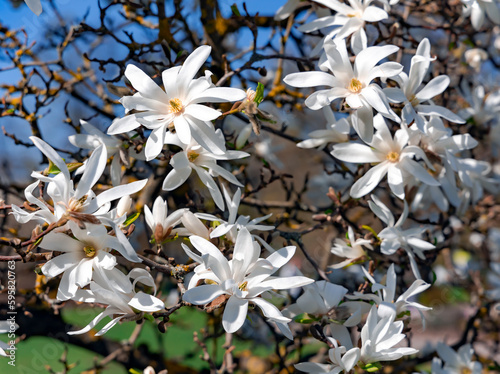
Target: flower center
x: 465, y: 371
x: 192, y: 156
x: 89, y: 251
x: 355, y: 85
x: 76, y: 205
x: 392, y: 156
x: 414, y: 101
x: 243, y: 286
x: 175, y: 106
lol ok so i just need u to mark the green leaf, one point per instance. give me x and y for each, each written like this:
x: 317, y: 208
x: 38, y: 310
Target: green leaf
x: 373, y: 367
x: 149, y: 317
x: 366, y: 227
x: 53, y: 169
x: 235, y: 10
x: 306, y: 318
x: 131, y: 219
x: 259, y: 93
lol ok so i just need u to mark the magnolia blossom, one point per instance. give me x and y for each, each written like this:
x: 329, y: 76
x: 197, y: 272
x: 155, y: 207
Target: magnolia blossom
x: 353, y: 250
x: 244, y: 279
x: 459, y: 361
x: 483, y: 108
x: 113, y: 146
x: 177, y: 107
x: 412, y: 96
x: 384, y: 296
x: 349, y: 19
x: 393, y: 157
x: 478, y: 9
x: 195, y: 157
x: 234, y: 222
x: 353, y: 84
x: 475, y: 179
x: 35, y: 6
x: 117, y: 291
x: 379, y: 336
x: 394, y: 237
x: 81, y: 256
x: 342, y: 361
x: 335, y: 132
x: 160, y: 222
x: 80, y: 204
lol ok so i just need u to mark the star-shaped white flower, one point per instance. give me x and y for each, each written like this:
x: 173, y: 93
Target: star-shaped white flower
x: 81, y: 256
x: 244, y: 279
x: 353, y: 84
x: 204, y: 163
x: 350, y: 19
x: 177, y: 107
x: 393, y: 157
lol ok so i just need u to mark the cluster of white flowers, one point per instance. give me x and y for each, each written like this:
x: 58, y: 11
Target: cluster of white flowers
x: 397, y: 129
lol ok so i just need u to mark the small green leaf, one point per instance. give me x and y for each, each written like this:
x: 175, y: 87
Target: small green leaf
x: 366, y: 227
x: 373, y: 367
x: 306, y: 318
x: 259, y: 93
x: 131, y: 219
x: 149, y: 317
x: 134, y: 371
x: 235, y: 10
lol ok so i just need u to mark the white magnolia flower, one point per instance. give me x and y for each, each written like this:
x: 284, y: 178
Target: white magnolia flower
x: 412, y: 96
x: 379, y: 336
x: 93, y: 140
x: 483, y: 108
x: 393, y: 157
x: 177, y: 107
x: 384, y: 296
x: 234, y: 222
x: 353, y: 84
x: 478, y: 9
x: 115, y: 289
x: 244, y: 278
x: 160, y: 222
x: 353, y: 250
x: 80, y: 203
x: 475, y: 57
x: 323, y: 299
x: 394, y: 236
x: 335, y: 132
x: 194, y: 156
x: 474, y: 175
x: 342, y: 361
x: 459, y: 361
x: 35, y: 6
x: 81, y: 256
x: 349, y: 19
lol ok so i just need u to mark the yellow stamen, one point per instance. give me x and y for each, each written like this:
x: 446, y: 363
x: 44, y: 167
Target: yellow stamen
x: 355, y: 86
x: 192, y: 156
x: 243, y: 286
x: 76, y: 205
x: 466, y: 371
x: 175, y: 106
x: 392, y: 156
x: 89, y: 251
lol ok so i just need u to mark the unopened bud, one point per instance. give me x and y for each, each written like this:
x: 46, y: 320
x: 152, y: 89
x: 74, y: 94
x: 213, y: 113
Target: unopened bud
x: 124, y: 205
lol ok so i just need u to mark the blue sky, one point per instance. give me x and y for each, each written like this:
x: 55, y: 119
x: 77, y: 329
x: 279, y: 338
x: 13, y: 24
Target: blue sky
x: 73, y: 10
